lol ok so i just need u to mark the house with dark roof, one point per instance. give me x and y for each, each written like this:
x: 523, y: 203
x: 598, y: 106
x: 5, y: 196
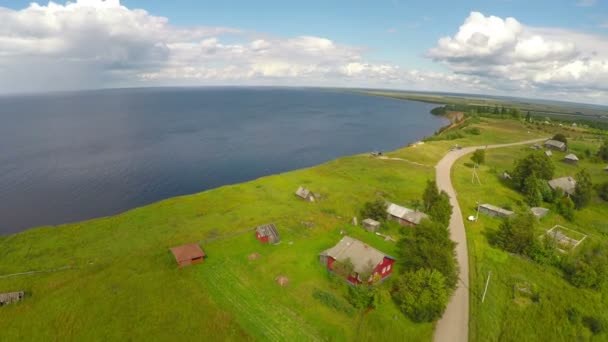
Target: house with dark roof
x: 305, y: 194
x: 404, y: 216
x: 267, y: 233
x: 556, y: 145
x: 368, y: 264
x: 571, y: 159
x: 492, y: 210
x: 566, y: 184
x: 187, y: 255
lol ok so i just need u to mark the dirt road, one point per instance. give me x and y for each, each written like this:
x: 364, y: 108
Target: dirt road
x: 454, y: 325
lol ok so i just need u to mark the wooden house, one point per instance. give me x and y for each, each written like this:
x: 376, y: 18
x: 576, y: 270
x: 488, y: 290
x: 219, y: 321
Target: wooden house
x: 404, y: 216
x: 267, y: 233
x: 566, y: 184
x: 556, y: 145
x: 188, y: 254
x: 367, y: 262
x: 571, y: 159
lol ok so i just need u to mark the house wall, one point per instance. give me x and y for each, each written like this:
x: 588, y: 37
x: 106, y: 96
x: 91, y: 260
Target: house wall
x: 401, y: 221
x: 385, y: 268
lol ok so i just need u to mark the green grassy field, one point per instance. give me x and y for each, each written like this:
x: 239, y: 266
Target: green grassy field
x: 502, y: 317
x: 124, y: 283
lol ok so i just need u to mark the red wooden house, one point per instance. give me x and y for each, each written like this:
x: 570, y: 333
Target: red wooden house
x: 365, y: 259
x: 188, y: 254
x: 267, y: 233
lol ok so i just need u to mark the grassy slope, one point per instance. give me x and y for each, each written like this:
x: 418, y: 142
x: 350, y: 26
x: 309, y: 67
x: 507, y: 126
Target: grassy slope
x: 125, y: 284
x: 500, y: 317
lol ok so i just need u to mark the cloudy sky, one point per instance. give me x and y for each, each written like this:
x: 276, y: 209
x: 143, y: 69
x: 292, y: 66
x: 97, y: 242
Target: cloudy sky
x: 555, y: 49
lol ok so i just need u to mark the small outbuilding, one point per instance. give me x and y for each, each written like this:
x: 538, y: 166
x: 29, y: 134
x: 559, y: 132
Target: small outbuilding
x: 267, y: 233
x: 566, y: 184
x: 305, y: 194
x: 11, y: 297
x: 370, y: 225
x: 404, y: 216
x: 571, y: 158
x: 556, y: 145
x: 187, y: 255
x: 506, y: 176
x: 548, y: 153
x: 536, y: 147
x: 494, y: 211
x: 539, y: 212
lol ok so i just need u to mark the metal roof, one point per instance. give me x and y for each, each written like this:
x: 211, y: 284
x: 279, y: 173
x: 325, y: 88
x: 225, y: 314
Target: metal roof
x: 360, y: 254
x: 497, y: 209
x: 567, y: 184
x: 187, y: 252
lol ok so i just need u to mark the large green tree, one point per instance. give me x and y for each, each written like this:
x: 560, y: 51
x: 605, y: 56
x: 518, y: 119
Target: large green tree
x: 533, y: 190
x: 375, y: 210
x: 429, y: 246
x: 479, y: 156
x: 516, y: 233
x: 430, y: 195
x: 584, y: 189
x: 603, y: 152
x: 537, y: 164
x: 422, y: 295
x: 437, y: 204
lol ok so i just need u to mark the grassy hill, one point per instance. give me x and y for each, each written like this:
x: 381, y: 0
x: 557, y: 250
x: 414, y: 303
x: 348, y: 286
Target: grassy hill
x: 123, y: 283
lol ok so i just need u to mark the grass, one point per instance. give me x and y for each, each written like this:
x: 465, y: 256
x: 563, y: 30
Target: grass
x: 500, y: 317
x: 124, y: 283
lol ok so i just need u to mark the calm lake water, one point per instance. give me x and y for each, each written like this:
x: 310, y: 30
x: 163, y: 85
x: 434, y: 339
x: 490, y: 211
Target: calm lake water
x: 74, y: 156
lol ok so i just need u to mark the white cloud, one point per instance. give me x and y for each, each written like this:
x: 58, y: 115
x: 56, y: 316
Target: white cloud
x: 514, y: 56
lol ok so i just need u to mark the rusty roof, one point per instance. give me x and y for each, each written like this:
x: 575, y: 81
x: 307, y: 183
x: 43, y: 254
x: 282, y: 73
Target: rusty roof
x: 187, y: 252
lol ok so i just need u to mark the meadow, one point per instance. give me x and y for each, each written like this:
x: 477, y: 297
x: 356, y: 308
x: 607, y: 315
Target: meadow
x: 123, y: 283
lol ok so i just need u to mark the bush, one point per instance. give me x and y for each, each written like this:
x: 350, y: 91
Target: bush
x: 533, y: 191
x: 516, y: 233
x: 602, y: 190
x: 561, y: 137
x: 343, y: 268
x: 594, y: 324
x: 375, y: 210
x: 362, y: 296
x: 473, y: 131
x: 603, y: 152
x: 565, y: 207
x: 479, y: 156
x: 421, y: 295
x: 332, y: 301
x: 589, y: 267
x: 584, y: 189
x: 437, y: 204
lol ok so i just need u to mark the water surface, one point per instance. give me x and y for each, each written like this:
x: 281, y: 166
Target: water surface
x: 67, y: 157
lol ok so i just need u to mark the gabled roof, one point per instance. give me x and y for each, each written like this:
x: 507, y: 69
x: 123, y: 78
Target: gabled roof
x: 407, y: 214
x: 303, y: 192
x: 187, y: 252
x: 555, y: 143
x: 415, y: 217
x: 548, y: 153
x: 360, y: 254
x: 567, y: 184
x: 497, y: 209
x: 371, y: 222
x: 572, y: 157
x: 539, y: 212
x: 269, y: 230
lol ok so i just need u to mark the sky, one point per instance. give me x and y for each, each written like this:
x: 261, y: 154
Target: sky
x: 535, y: 48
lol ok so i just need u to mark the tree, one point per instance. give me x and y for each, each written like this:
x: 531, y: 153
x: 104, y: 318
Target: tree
x: 565, y: 207
x: 602, y: 190
x: 516, y: 233
x: 441, y: 209
x: 603, y: 152
x: 496, y: 110
x: 537, y: 164
x: 479, y: 156
x: 584, y: 189
x: 429, y: 246
x: 533, y: 191
x: 529, y: 117
x: 421, y: 295
x: 375, y: 210
x: 561, y: 137
x: 362, y: 296
x: 589, y: 267
x: 430, y: 195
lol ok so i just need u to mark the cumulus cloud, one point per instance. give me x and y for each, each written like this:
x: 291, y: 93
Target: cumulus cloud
x: 515, y: 56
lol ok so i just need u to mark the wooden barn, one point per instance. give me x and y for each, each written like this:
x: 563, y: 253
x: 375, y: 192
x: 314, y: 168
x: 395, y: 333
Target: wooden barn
x: 305, y: 194
x: 366, y: 260
x: 267, y: 233
x: 187, y: 255
x: 556, y: 145
x: 492, y: 210
x: 11, y: 297
x: 404, y: 216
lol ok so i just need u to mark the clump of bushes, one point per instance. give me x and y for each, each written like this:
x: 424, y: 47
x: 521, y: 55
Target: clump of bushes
x: 375, y: 210
x: 333, y: 302
x: 421, y: 295
x: 473, y: 131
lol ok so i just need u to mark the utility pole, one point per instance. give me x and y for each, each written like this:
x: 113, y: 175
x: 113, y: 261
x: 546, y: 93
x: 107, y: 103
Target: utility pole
x: 486, y: 289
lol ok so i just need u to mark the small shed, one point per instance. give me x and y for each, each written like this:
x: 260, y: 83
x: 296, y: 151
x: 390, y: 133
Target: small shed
x: 494, y: 211
x: 536, y: 147
x: 305, y: 194
x: 556, y: 145
x: 11, y: 297
x: 404, y: 216
x: 370, y: 225
x: 548, y: 153
x: 539, y: 212
x: 566, y: 184
x: 571, y: 158
x: 187, y: 255
x: 267, y: 233
x: 506, y: 176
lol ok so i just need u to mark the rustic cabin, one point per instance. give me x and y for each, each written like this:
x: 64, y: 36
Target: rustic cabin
x: 188, y: 254
x: 404, y: 216
x: 11, y: 297
x: 267, y: 233
x: 556, y: 145
x: 370, y: 225
x: 305, y: 194
x: 366, y: 261
x: 494, y: 211
x: 566, y: 184
x: 571, y: 159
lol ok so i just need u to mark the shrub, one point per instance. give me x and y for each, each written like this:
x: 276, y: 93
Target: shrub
x: 343, y: 268
x: 594, y: 324
x: 479, y: 156
x: 584, y: 189
x: 602, y: 190
x: 561, y: 137
x: 565, y: 207
x: 473, y: 131
x: 375, y: 210
x: 437, y: 204
x: 362, y: 296
x: 421, y: 295
x: 533, y: 191
x: 332, y: 301
x: 589, y: 267
x: 603, y: 151
x: 516, y: 233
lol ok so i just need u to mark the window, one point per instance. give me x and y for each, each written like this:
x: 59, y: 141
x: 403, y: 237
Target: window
x: 388, y: 268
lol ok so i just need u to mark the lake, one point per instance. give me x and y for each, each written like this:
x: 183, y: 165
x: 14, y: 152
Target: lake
x: 67, y: 157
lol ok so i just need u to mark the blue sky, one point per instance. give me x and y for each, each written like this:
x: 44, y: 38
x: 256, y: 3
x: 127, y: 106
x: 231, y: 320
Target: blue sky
x: 380, y: 36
